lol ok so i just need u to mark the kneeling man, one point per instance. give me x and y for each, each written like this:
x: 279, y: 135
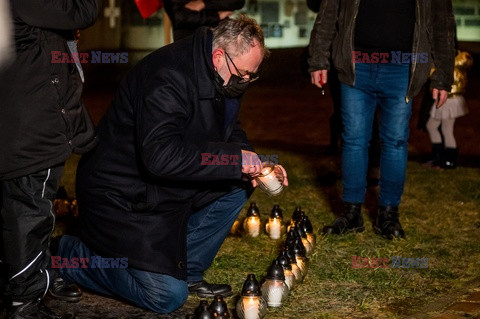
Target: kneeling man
x: 153, y: 190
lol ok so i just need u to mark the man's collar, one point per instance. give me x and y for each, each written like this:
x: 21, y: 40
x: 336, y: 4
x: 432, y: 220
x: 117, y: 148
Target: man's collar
x: 203, y: 64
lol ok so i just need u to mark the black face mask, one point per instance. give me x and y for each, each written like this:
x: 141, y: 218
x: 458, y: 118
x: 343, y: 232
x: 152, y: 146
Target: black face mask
x: 235, y: 87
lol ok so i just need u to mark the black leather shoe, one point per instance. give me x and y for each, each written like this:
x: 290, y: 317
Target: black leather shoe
x: 387, y: 223
x: 62, y: 290
x: 351, y: 220
x: 35, y: 310
x: 204, y: 289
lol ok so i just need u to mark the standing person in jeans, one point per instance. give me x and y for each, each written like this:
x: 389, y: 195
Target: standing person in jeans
x: 375, y: 32
x: 42, y: 121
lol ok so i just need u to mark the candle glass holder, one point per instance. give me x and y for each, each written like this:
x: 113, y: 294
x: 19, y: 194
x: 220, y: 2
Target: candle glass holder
x: 251, y: 304
x: 252, y: 223
x: 307, y: 226
x: 303, y: 237
x: 299, y: 252
x: 235, y: 229
x: 297, y: 272
x: 271, y: 179
x: 252, y: 226
x: 274, y: 289
x: 287, y: 271
x: 275, y: 227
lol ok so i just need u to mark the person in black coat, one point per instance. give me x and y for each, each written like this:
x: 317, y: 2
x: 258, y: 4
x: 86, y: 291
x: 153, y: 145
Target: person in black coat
x: 187, y: 16
x: 42, y: 121
x: 163, y: 187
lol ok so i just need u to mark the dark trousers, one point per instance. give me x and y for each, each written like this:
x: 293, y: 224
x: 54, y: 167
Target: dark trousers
x: 27, y: 221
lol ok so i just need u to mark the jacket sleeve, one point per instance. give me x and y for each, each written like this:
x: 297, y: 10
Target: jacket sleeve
x: 322, y: 36
x: 443, y: 47
x: 162, y: 118
x: 224, y: 5
x: 239, y: 137
x: 58, y: 14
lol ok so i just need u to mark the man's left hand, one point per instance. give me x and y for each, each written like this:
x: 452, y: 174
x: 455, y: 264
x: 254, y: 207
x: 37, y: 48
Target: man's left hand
x: 440, y: 97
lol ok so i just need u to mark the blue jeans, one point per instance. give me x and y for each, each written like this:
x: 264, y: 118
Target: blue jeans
x: 207, y: 229
x: 384, y: 85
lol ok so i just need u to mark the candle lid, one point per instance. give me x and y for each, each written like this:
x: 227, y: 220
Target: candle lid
x: 298, y: 214
x: 201, y: 312
x: 298, y: 248
x: 298, y: 228
x: 253, y: 210
x: 251, y: 287
x: 276, y: 212
x: 275, y: 271
x: 219, y: 308
x: 284, y: 261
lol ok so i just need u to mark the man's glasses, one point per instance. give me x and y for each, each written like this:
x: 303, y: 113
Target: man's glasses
x: 247, y: 77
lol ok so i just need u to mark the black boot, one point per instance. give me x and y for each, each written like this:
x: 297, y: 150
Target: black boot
x: 387, y: 223
x: 437, y: 155
x: 450, y: 158
x: 204, y: 289
x: 59, y: 288
x: 351, y: 220
x: 63, y: 290
x: 35, y: 310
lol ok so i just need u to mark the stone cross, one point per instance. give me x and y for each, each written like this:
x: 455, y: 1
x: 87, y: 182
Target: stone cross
x: 111, y: 12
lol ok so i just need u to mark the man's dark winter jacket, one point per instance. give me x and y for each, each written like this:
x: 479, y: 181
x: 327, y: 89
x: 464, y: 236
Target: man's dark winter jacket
x: 42, y: 119
x: 433, y: 34
x: 138, y: 187
x: 185, y: 21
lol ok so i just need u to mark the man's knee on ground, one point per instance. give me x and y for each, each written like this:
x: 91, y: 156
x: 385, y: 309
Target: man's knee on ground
x: 172, y: 298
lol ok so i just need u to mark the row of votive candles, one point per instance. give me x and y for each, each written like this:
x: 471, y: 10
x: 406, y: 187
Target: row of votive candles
x: 274, y: 227
x: 288, y: 269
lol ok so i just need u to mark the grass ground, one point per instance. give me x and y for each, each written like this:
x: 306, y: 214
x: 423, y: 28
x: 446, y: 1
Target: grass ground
x: 283, y: 114
x: 440, y: 213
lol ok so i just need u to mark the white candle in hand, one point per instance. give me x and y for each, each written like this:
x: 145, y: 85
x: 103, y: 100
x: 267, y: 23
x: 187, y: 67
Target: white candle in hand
x: 269, y: 180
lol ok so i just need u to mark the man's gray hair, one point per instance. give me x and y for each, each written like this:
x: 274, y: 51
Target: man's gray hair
x: 238, y: 35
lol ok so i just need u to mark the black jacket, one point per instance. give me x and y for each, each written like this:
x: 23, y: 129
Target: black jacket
x: 185, y: 21
x: 138, y: 187
x: 42, y: 119
x: 433, y: 34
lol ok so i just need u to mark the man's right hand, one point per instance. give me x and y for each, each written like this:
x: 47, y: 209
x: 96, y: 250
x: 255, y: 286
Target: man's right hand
x: 251, y: 163
x: 319, y: 78
x: 224, y: 14
x: 195, y: 5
